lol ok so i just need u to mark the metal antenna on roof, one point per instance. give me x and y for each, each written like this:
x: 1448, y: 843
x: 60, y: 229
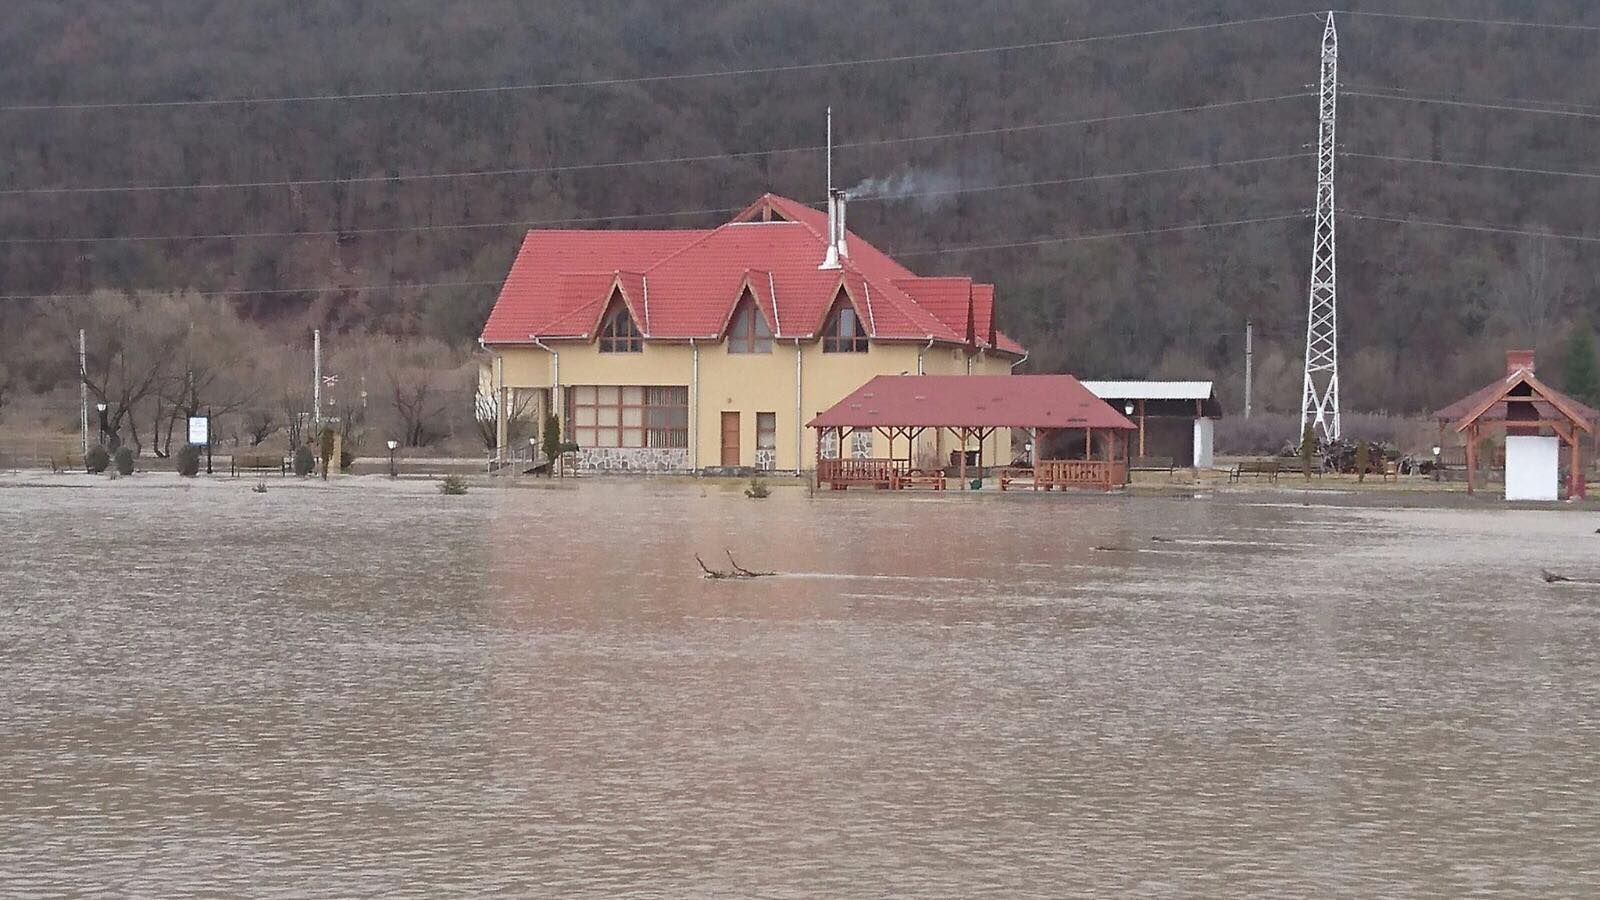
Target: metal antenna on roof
x: 830, y: 153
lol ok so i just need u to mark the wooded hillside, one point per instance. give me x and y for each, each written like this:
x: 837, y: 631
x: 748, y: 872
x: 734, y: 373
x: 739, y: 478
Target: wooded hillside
x: 406, y: 190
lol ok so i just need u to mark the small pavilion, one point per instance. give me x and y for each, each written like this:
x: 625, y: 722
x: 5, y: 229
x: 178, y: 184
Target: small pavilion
x: 1539, y: 422
x: 1077, y: 439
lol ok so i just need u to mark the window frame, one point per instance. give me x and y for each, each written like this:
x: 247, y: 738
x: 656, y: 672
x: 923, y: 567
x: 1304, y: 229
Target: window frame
x: 619, y: 333
x: 833, y: 338
x: 612, y: 405
x: 748, y: 331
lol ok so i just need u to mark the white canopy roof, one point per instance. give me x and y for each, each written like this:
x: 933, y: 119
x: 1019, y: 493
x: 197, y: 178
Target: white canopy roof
x: 1150, y: 390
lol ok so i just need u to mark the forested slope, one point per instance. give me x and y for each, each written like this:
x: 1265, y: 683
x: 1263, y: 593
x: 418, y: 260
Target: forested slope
x: 1426, y: 311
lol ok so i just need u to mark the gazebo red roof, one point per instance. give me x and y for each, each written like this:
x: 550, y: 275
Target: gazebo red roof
x: 1492, y: 402
x: 973, y: 401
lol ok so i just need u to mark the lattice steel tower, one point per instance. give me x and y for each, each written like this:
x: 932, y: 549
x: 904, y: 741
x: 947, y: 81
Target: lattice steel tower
x: 1319, y: 401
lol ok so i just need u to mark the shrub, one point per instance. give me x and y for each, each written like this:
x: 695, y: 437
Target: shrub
x: 124, y: 460
x: 347, y: 461
x: 259, y: 487
x: 326, y: 446
x: 304, y: 462
x: 188, y: 459
x: 757, y: 490
x: 453, y: 485
x: 96, y: 460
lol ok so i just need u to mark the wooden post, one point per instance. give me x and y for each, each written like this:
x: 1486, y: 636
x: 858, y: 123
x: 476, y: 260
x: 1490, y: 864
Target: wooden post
x: 1141, y: 428
x: 1472, y: 460
x: 962, y: 465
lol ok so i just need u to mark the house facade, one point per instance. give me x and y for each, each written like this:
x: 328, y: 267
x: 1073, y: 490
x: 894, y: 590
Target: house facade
x: 707, y: 350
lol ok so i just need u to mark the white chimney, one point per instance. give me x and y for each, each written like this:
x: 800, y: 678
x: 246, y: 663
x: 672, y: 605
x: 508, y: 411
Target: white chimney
x: 835, y: 213
x: 840, y: 235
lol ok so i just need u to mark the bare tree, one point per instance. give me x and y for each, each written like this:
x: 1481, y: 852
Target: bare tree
x: 1531, y: 292
x: 8, y: 382
x: 519, y: 424
x: 128, y: 355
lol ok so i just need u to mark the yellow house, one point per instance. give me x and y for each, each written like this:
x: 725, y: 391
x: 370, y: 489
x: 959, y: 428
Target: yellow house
x: 708, y: 350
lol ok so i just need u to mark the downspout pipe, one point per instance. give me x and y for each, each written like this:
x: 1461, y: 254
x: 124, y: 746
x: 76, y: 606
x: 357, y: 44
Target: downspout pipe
x: 922, y: 370
x: 555, y: 375
x: 799, y: 424
x: 694, y: 406
x: 1020, y: 361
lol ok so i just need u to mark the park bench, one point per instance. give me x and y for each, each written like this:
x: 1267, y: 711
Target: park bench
x: 1014, y: 473
x: 1255, y: 468
x: 1153, y: 464
x: 932, y: 479
x: 67, y: 462
x: 258, y: 462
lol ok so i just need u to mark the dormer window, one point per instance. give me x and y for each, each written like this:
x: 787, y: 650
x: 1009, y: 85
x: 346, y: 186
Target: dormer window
x: 843, y: 332
x: 749, y: 332
x: 618, y: 334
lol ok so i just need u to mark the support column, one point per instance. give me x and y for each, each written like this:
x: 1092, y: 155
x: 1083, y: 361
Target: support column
x: 961, y: 467
x: 502, y: 425
x: 1472, y: 460
x: 1141, y: 428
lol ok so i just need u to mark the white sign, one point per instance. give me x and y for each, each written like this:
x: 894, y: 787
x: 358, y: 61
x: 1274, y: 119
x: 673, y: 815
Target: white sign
x: 199, y: 430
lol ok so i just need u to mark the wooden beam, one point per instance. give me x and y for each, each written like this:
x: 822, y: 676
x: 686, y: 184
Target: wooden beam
x: 1141, y: 427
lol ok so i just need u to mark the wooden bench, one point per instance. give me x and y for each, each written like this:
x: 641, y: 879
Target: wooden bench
x: 931, y: 479
x: 258, y: 462
x: 1014, y: 473
x: 67, y: 462
x: 1255, y: 468
x: 1153, y: 464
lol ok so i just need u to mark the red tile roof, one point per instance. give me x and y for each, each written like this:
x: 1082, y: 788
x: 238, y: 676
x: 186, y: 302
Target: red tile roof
x: 972, y: 401
x: 684, y: 284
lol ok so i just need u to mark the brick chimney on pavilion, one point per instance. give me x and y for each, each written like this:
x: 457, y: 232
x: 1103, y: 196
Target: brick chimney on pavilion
x: 1519, y: 361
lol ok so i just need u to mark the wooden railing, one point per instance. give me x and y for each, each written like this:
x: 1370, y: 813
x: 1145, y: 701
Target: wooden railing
x: 840, y: 473
x: 1079, y: 473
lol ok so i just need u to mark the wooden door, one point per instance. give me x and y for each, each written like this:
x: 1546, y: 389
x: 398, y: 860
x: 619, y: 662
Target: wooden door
x: 730, y: 439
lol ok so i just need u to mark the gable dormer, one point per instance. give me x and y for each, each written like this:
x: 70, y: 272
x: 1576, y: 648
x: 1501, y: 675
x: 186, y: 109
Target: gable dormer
x: 618, y: 332
x: 844, y: 330
x: 748, y: 330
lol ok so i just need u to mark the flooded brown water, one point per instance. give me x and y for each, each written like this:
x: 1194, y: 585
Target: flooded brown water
x: 375, y: 690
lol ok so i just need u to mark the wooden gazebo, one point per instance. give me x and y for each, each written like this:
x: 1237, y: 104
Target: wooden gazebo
x: 1056, y: 410
x: 1525, y: 408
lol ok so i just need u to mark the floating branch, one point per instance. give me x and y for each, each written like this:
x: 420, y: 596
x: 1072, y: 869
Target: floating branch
x: 738, y: 571
x: 1553, y: 578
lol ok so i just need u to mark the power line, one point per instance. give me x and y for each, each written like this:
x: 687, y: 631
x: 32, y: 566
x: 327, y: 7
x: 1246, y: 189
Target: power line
x: 249, y: 292
x: 1523, y: 170
x: 1170, y: 229
x: 576, y: 167
x: 1471, y: 104
x: 643, y: 79
x: 1461, y: 226
x: 243, y: 292
x: 1510, y: 101
x: 634, y: 216
x: 1508, y: 23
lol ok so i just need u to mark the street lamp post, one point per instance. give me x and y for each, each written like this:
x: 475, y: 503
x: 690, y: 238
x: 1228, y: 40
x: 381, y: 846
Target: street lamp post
x: 101, y: 408
x: 392, y: 446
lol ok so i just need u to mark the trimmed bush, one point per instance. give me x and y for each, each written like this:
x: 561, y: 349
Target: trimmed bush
x: 453, y: 485
x: 124, y: 460
x: 188, y: 460
x: 347, y: 461
x: 96, y: 460
x: 304, y: 462
x: 757, y: 490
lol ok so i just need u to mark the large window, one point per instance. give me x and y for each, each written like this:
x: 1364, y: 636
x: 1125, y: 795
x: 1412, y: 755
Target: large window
x: 606, y: 416
x: 843, y: 332
x: 749, y: 332
x: 618, y: 334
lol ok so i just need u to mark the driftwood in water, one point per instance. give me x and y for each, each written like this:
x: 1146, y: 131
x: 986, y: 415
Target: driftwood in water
x: 738, y: 571
x: 1553, y: 578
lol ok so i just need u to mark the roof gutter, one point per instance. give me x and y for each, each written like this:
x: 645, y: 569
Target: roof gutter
x: 1019, y: 362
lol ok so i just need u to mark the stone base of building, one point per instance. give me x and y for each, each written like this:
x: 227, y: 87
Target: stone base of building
x: 635, y: 460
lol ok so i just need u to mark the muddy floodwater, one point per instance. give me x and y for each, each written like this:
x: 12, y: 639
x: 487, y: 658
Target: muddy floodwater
x: 371, y: 689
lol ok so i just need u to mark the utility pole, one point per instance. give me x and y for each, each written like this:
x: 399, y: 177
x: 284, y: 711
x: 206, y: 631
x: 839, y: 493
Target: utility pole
x: 1249, y: 364
x: 1319, y: 398
x: 83, y: 387
x: 316, y: 382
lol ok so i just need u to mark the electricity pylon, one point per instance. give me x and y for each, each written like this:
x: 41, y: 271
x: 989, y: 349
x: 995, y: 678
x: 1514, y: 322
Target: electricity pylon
x: 1319, y: 401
